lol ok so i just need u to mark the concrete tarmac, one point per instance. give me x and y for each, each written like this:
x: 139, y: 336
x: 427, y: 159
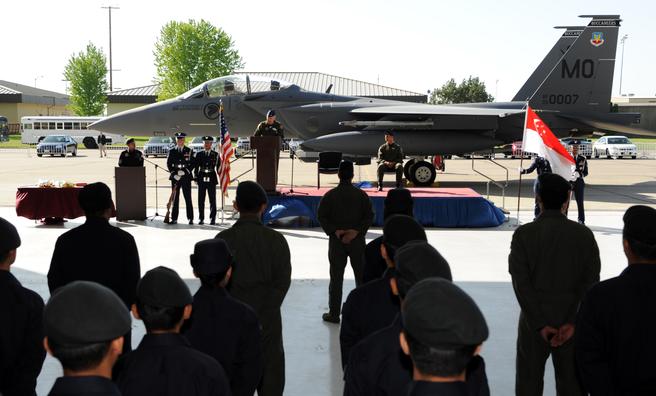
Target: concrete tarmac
x: 312, y: 346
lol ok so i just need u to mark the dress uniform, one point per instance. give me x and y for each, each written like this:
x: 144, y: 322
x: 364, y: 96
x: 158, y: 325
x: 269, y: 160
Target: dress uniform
x: 552, y: 262
x: 82, y: 314
x: 206, y: 168
x: 390, y: 152
x: 21, y: 334
x: 222, y: 326
x: 578, y: 185
x: 542, y: 166
x: 131, y: 156
x: 165, y: 363
x: 261, y: 279
x: 180, y: 163
x: 112, y: 251
x: 454, y: 325
x: 615, y: 342
x: 341, y: 209
x: 373, y: 306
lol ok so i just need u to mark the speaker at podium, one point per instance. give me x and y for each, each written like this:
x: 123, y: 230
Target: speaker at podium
x: 268, y: 156
x: 130, y: 193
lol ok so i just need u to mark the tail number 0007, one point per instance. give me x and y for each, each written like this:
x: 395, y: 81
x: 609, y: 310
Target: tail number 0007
x: 560, y: 99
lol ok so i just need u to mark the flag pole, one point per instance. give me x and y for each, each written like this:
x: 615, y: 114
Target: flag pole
x: 521, y: 163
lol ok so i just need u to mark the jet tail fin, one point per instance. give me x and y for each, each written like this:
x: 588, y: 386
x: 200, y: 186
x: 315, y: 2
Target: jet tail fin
x: 553, y: 57
x: 582, y: 79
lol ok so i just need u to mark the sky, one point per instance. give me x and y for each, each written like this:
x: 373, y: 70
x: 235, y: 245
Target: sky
x: 413, y: 44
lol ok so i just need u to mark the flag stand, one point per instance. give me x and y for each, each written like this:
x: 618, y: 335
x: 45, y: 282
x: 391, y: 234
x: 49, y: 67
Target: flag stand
x: 519, y: 187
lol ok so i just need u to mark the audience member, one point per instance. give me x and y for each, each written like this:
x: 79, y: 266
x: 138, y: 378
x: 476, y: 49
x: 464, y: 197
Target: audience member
x: 553, y: 261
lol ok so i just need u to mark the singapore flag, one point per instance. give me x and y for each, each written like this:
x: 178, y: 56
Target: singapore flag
x: 539, y: 139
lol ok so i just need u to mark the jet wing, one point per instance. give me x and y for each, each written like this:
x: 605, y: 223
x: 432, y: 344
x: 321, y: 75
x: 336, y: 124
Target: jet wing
x: 435, y: 110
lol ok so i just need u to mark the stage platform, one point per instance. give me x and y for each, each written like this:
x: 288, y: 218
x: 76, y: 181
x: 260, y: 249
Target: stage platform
x: 433, y: 207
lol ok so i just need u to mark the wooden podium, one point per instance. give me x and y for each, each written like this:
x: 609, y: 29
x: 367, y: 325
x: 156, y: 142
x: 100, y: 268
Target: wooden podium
x: 268, y: 155
x: 130, y: 193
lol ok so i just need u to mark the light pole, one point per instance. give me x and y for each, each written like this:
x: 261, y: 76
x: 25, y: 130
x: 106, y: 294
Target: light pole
x: 36, y: 78
x: 622, y: 40
x: 111, y: 69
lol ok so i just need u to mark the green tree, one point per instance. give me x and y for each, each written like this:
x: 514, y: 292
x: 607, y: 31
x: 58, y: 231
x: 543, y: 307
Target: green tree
x: 189, y: 53
x: 87, y: 73
x: 471, y: 90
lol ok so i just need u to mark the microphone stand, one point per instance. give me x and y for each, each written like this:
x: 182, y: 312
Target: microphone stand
x: 153, y: 217
x: 292, y: 154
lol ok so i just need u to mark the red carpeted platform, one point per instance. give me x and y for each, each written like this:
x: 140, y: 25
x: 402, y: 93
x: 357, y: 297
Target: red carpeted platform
x: 434, y: 207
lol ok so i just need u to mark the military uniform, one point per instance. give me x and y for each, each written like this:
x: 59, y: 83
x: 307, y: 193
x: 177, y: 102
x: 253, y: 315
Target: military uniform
x: 273, y: 129
x: 578, y: 185
x: 391, y: 153
x: 206, y: 168
x: 542, y: 166
x: 131, y: 158
x: 342, y: 208
x: 261, y: 279
x: 367, y: 309
x: 21, y: 337
x: 84, y: 386
x: 553, y: 261
x: 227, y: 330
x: 180, y: 162
x: 166, y: 364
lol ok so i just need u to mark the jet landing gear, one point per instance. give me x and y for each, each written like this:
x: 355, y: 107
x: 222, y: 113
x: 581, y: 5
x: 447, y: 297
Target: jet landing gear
x: 421, y: 173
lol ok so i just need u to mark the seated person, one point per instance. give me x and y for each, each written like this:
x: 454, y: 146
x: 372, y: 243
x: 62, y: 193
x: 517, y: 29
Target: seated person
x: 390, y: 158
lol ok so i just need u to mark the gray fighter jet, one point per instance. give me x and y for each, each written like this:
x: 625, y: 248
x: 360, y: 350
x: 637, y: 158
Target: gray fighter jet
x: 571, y: 89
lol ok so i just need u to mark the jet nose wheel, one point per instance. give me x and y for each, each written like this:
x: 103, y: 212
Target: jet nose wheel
x: 422, y: 174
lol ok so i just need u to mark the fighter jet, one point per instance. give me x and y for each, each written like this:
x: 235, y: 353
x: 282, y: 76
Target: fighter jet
x: 571, y: 89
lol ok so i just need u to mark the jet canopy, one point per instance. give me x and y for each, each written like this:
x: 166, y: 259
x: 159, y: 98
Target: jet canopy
x: 235, y: 85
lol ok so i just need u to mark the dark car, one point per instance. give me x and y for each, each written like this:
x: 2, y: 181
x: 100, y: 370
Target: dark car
x: 57, y: 145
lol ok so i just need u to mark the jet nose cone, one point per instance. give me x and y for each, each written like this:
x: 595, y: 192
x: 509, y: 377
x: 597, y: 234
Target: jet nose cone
x: 140, y: 121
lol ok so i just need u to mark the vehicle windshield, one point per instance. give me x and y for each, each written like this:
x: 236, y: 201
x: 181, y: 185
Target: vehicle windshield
x: 159, y: 139
x: 55, y: 139
x: 621, y: 140
x: 235, y: 85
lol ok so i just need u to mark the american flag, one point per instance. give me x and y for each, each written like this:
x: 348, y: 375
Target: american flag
x: 226, y: 153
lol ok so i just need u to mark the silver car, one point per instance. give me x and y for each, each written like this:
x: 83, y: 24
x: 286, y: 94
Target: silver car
x: 57, y: 145
x: 158, y: 146
x: 197, y: 144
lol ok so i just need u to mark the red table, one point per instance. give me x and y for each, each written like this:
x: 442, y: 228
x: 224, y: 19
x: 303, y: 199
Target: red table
x: 38, y: 203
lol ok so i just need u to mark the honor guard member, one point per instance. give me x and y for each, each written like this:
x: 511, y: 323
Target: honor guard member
x: 220, y: 325
x: 180, y: 163
x: 21, y: 334
x: 206, y: 167
x: 390, y: 158
x: 165, y: 363
x: 345, y: 214
x: 270, y: 127
x: 542, y: 166
x: 580, y: 172
x: 131, y: 156
x: 84, y: 324
x: 441, y: 339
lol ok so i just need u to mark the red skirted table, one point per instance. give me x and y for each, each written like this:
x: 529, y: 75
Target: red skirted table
x: 55, y: 203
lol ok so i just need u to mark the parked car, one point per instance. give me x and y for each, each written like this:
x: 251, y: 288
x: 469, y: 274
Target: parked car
x: 57, y: 145
x: 158, y: 146
x: 585, y: 146
x: 512, y: 150
x: 197, y: 144
x: 614, y: 147
x: 243, y: 144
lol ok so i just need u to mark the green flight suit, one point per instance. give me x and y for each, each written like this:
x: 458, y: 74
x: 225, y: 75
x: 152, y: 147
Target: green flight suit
x: 390, y: 153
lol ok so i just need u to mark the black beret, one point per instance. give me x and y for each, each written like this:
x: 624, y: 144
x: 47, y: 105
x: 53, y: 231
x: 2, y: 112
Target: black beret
x: 208, y: 139
x: 345, y: 170
x: 389, y: 133
x: 95, y: 197
x: 162, y: 287
x: 416, y: 261
x: 9, y: 238
x: 130, y: 140
x: 180, y: 135
x: 640, y: 224
x: 439, y: 314
x: 398, y: 201
x: 211, y: 256
x: 271, y: 113
x: 250, y: 196
x: 574, y: 142
x: 83, y: 313
x: 401, y: 229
